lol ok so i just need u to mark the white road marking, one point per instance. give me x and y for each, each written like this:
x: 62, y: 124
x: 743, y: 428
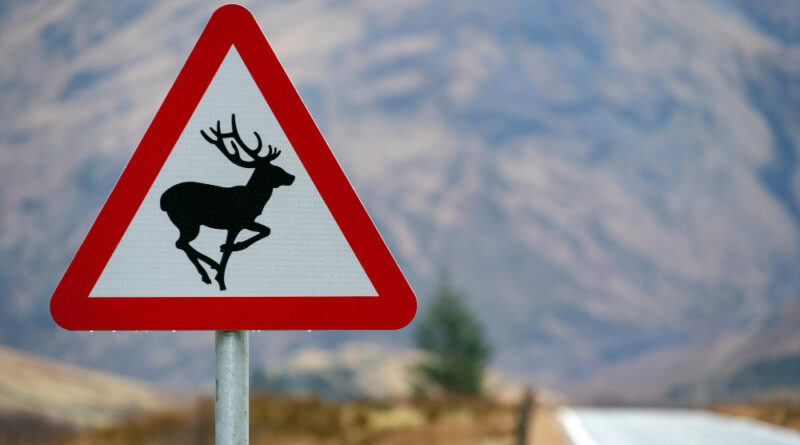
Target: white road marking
x: 575, y: 430
x: 593, y: 426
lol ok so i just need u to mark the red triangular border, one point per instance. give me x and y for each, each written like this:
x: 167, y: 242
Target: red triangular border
x: 71, y: 306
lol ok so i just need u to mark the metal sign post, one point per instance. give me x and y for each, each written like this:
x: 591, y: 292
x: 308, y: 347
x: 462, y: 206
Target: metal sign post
x: 232, y: 410
x: 188, y: 177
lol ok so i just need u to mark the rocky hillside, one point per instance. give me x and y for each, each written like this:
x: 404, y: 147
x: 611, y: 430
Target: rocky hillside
x: 615, y: 183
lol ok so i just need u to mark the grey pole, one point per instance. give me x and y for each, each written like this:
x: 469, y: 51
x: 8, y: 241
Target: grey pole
x: 232, y: 411
x: 525, y: 423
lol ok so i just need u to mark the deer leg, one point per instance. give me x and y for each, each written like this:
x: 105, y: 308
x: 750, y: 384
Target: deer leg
x: 261, y: 230
x: 226, y: 253
x: 211, y: 263
x: 194, y: 255
x: 203, y: 274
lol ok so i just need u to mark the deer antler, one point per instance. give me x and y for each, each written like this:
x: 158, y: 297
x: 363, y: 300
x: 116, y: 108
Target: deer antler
x: 272, y: 153
x: 253, y: 152
x: 235, y: 157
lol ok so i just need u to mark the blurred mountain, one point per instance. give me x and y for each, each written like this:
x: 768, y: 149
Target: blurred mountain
x: 615, y: 183
x: 347, y: 372
x: 69, y: 395
x: 361, y: 371
x: 763, y: 362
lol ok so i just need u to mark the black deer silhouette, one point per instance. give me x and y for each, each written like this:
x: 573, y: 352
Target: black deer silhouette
x: 192, y: 204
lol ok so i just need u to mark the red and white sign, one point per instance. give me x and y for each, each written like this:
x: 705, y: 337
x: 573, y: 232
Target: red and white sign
x: 233, y: 213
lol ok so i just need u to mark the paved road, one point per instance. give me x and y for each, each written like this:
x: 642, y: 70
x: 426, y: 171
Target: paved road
x: 667, y: 427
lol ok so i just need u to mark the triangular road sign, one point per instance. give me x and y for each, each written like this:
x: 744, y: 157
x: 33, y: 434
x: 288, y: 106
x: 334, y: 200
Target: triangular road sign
x: 233, y: 213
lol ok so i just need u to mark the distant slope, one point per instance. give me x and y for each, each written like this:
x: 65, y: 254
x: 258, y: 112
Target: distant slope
x: 360, y: 371
x: 616, y: 184
x: 758, y: 363
x: 71, y: 395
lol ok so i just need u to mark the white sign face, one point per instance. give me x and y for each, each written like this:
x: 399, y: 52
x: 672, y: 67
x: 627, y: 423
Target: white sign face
x: 305, y: 253
x: 220, y: 222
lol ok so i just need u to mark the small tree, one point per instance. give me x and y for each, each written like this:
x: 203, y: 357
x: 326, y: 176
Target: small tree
x: 455, y: 340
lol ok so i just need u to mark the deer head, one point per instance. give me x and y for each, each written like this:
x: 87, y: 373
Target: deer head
x: 265, y: 175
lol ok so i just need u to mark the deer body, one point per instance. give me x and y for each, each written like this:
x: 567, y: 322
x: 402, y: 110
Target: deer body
x: 190, y: 205
x: 216, y: 207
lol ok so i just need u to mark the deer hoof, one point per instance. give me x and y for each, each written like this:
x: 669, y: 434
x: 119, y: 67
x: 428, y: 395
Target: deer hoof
x: 221, y: 280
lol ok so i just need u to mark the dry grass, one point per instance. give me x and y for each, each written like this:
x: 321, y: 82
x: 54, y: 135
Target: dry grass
x: 782, y: 412
x: 24, y: 428
x: 309, y: 421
